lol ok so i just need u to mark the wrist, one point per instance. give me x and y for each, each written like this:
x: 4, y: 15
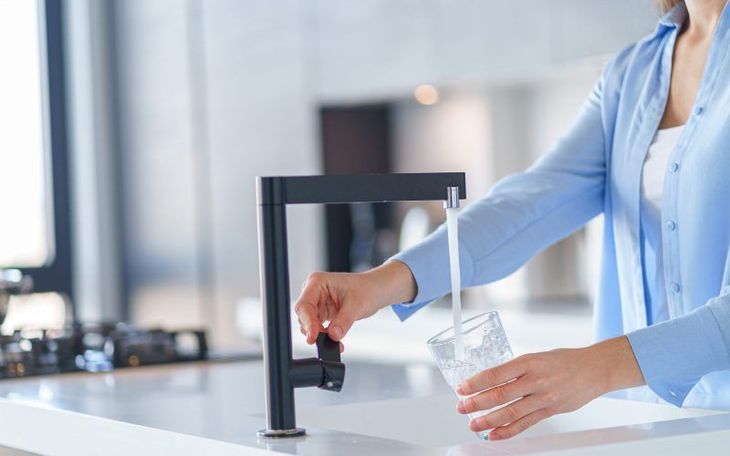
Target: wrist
x: 619, y: 368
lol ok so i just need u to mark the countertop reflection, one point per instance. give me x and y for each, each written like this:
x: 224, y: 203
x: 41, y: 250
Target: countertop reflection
x: 223, y: 402
x: 217, y: 400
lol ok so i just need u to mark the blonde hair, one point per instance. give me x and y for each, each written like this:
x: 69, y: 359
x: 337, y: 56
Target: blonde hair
x: 666, y: 5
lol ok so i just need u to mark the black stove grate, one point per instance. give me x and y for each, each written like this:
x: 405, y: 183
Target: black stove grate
x: 96, y: 348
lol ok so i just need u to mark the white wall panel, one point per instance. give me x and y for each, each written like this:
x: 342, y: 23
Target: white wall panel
x: 262, y: 121
x: 155, y: 139
x: 378, y: 48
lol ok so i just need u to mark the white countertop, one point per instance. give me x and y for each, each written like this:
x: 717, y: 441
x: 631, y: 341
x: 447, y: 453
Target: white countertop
x: 216, y: 408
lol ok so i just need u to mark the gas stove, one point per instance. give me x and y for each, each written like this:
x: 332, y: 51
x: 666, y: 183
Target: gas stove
x: 96, y: 347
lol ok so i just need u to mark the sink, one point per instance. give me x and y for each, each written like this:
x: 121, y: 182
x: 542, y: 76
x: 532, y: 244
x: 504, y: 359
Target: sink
x: 433, y: 421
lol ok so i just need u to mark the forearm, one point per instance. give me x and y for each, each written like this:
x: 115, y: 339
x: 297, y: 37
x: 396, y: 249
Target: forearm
x: 523, y: 214
x: 392, y: 283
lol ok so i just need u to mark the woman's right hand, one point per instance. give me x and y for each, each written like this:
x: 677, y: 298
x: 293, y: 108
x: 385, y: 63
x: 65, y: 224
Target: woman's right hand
x: 343, y: 298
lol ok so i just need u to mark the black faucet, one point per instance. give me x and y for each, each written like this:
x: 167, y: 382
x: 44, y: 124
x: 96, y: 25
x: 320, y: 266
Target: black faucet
x: 283, y: 373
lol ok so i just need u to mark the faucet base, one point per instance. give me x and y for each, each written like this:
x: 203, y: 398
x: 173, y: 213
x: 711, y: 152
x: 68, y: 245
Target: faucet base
x: 280, y: 433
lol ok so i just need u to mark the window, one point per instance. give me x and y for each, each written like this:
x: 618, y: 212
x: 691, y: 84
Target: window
x: 34, y: 196
x: 23, y: 195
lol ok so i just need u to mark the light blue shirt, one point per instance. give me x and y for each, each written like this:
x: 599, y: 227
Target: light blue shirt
x: 596, y: 168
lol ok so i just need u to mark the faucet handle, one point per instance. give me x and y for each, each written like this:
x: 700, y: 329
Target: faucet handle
x: 328, y: 349
x: 333, y: 370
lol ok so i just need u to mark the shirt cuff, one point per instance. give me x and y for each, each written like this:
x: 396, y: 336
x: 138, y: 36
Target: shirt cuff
x: 674, y: 355
x: 429, y: 264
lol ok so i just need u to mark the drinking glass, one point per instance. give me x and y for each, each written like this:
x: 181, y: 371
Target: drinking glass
x: 485, y: 346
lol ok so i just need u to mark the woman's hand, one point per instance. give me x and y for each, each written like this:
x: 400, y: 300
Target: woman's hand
x: 343, y: 298
x: 540, y: 385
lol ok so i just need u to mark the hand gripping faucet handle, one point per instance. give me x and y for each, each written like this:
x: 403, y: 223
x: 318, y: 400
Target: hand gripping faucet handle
x: 328, y: 352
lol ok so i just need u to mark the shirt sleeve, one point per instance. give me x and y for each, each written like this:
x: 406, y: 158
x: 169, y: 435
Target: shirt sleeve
x: 675, y: 354
x: 523, y: 214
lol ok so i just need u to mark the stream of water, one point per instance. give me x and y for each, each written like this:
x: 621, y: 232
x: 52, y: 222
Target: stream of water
x: 453, y: 234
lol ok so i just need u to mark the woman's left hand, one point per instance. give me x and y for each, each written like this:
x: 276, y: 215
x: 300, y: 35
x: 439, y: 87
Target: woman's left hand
x: 540, y: 385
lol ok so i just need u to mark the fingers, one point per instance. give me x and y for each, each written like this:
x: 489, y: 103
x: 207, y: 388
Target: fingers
x: 510, y: 413
x: 306, y: 309
x: 493, y: 397
x: 489, y: 378
x: 342, y: 346
x: 342, y: 322
x: 521, y: 425
x: 326, y: 296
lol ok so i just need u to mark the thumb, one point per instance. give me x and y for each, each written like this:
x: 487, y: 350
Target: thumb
x: 342, y: 322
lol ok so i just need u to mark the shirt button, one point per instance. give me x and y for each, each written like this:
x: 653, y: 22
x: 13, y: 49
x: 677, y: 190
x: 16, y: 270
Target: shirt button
x: 671, y: 225
x: 699, y: 110
x: 675, y: 167
x: 673, y: 394
x: 676, y: 287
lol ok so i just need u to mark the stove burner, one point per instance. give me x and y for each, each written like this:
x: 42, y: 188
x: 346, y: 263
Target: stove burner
x: 95, y: 348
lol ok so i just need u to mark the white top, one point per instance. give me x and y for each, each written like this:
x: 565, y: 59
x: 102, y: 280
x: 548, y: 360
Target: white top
x: 655, y: 167
x: 652, y: 189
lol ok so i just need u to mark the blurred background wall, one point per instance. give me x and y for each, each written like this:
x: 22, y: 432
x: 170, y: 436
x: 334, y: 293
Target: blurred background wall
x: 176, y: 105
x: 213, y: 93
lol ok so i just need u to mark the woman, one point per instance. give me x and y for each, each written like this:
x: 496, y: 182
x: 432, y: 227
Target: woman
x: 651, y: 150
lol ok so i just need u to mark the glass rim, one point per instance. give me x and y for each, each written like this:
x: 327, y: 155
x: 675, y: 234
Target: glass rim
x: 468, y: 325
